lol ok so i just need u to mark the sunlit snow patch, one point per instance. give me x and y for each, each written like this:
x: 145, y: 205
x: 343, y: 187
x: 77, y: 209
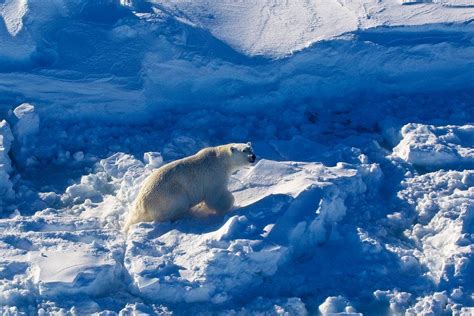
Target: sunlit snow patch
x: 278, y: 28
x: 437, y: 146
x: 13, y: 12
x: 76, y: 269
x: 56, y: 256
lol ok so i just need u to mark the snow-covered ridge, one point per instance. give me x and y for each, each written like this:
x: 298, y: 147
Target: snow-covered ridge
x: 277, y: 28
x: 273, y: 28
x: 142, y: 60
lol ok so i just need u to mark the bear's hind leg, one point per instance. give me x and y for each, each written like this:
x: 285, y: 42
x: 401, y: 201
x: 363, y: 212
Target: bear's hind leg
x: 177, y: 208
x: 221, y: 202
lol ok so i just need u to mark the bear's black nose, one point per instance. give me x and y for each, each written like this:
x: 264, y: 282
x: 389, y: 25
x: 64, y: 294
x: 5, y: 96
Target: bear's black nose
x: 252, y: 158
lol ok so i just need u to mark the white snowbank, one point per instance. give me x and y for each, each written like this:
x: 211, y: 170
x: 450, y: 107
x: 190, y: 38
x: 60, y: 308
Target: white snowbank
x: 65, y: 271
x: 270, y: 28
x: 435, y: 304
x: 299, y: 228
x: 153, y: 159
x: 279, y: 28
x: 124, y: 67
x: 107, y: 194
x: 436, y: 146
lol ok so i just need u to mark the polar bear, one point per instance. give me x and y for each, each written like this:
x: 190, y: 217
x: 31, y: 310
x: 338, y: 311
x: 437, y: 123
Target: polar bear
x: 172, y: 190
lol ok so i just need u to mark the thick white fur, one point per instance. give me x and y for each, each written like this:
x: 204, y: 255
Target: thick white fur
x: 172, y: 190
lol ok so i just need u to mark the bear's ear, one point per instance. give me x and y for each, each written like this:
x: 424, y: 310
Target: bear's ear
x: 249, y: 144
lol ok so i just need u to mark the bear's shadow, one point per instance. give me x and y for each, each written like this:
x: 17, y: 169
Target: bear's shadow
x: 258, y: 215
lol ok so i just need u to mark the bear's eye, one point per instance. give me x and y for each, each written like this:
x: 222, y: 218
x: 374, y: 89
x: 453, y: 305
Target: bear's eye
x: 246, y: 150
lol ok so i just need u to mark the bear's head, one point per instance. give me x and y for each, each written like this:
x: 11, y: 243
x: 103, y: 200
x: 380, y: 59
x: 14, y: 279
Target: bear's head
x: 242, y: 154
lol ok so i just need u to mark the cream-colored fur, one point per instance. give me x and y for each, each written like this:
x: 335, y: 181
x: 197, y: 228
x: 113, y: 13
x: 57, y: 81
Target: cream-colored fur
x: 171, y: 191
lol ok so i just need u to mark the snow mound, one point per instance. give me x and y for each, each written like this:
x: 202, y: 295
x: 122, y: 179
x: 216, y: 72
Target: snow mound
x: 444, y: 206
x: 278, y: 28
x: 270, y: 28
x: 337, y: 305
x: 432, y: 146
x: 283, y: 208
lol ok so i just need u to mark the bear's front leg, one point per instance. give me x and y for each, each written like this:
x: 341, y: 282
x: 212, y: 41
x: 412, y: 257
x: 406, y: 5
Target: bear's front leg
x: 220, y: 202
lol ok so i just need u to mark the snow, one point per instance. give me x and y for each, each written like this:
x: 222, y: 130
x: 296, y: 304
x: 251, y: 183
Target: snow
x: 361, y: 115
x: 153, y: 159
x: 437, y: 146
x: 295, y: 227
x: 209, y: 261
x: 51, y: 262
x: 337, y: 305
x: 278, y: 28
x: 67, y: 267
x: 63, y: 44
x: 443, y: 202
x: 6, y: 187
x: 12, y: 12
x: 28, y: 122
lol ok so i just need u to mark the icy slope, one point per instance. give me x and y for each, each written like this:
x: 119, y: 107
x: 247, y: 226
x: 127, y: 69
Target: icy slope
x: 278, y: 28
x: 269, y: 28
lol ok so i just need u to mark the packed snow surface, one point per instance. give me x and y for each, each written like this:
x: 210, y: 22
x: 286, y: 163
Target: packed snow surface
x: 361, y: 201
